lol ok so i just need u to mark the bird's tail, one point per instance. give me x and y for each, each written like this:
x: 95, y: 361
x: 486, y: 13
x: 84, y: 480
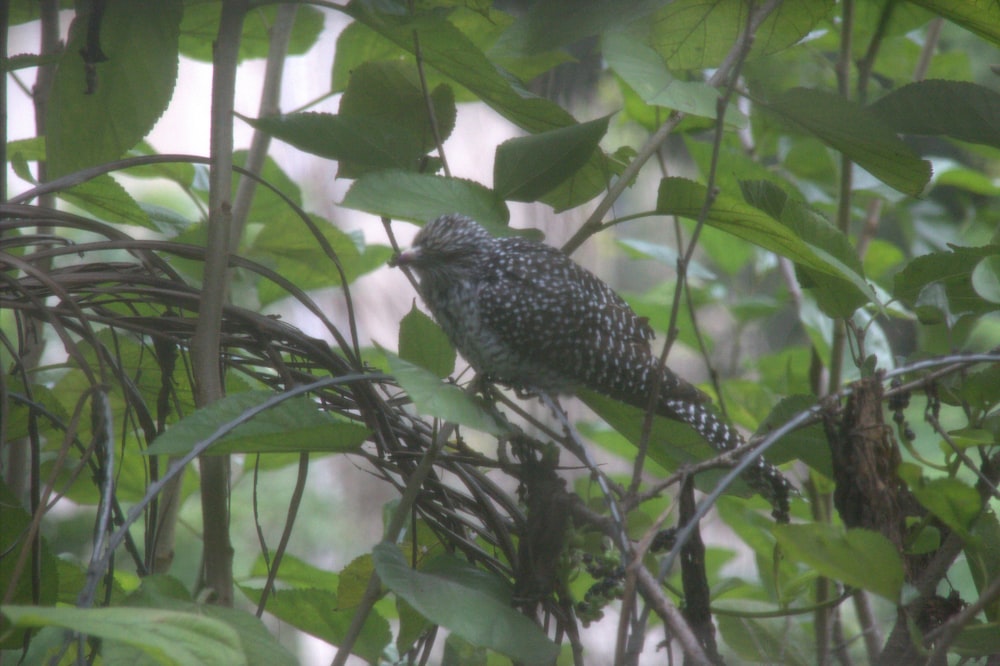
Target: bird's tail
x: 763, y: 477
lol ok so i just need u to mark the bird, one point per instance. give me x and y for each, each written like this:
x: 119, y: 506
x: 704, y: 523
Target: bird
x: 525, y: 315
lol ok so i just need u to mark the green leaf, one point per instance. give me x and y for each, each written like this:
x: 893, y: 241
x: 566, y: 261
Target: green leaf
x: 685, y: 198
x: 267, y: 206
x: 389, y: 95
x: 981, y: 556
x: 294, y: 425
x: 14, y: 524
x: 170, y: 637
x: 318, y: 613
x: 445, y: 48
x: 552, y: 24
x: 959, y: 109
x: 644, y: 71
x: 759, y: 641
x: 970, y: 180
x: 287, y: 246
x: 837, y: 295
x: 467, y: 604
x: 693, y: 34
x: 528, y: 167
x: 955, y: 503
x: 855, y: 131
x: 446, y: 401
x: 978, y: 640
x: 808, y: 444
x: 131, y: 88
x: 423, y: 197
x: 423, y: 343
x: 860, y: 558
x: 200, y: 28
x: 295, y: 572
x: 986, y: 278
x: 168, y: 593
x: 980, y: 388
x: 354, y: 579
x: 588, y: 182
x: 105, y: 199
x: 357, y: 44
x: 981, y: 17
x: 362, y: 144
x: 953, y: 271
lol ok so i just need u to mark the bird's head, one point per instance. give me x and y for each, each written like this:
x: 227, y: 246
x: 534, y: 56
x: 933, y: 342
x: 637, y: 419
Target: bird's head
x: 450, y: 240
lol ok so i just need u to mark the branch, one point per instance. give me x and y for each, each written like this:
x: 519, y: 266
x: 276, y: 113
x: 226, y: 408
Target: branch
x: 205, y: 346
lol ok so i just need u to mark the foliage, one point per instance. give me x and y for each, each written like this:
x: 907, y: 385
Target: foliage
x: 825, y: 174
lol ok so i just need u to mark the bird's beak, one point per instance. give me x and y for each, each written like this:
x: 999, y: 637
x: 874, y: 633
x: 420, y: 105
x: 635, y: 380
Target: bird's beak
x: 404, y: 258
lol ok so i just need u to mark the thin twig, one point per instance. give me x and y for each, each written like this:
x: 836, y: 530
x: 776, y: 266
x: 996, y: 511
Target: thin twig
x: 277, y: 51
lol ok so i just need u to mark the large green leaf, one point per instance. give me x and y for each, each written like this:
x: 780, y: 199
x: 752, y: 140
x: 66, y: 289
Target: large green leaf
x: 694, y: 34
x: 465, y: 600
x: 389, y: 95
x: 839, y: 295
x: 446, y: 401
x: 319, y: 613
x: 952, y: 271
x: 685, y: 198
x: 287, y: 246
x: 979, y: 16
x: 14, y: 523
x: 169, y: 594
x: 200, y: 28
x: 759, y: 641
x: 855, y: 131
x: 168, y: 636
x: 104, y: 198
x: 423, y: 343
x: 452, y: 54
x: 981, y: 555
x: 808, y: 444
x: 445, y: 48
x: 362, y: 144
x: 644, y: 70
x: 296, y: 573
x: 482, y: 25
x: 527, y: 168
x: 423, y: 197
x: 552, y: 24
x: 955, y: 503
x: 294, y: 425
x: 95, y: 122
x: 959, y: 109
x: 860, y: 558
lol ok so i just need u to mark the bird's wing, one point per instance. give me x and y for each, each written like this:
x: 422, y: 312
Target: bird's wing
x: 535, y: 291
